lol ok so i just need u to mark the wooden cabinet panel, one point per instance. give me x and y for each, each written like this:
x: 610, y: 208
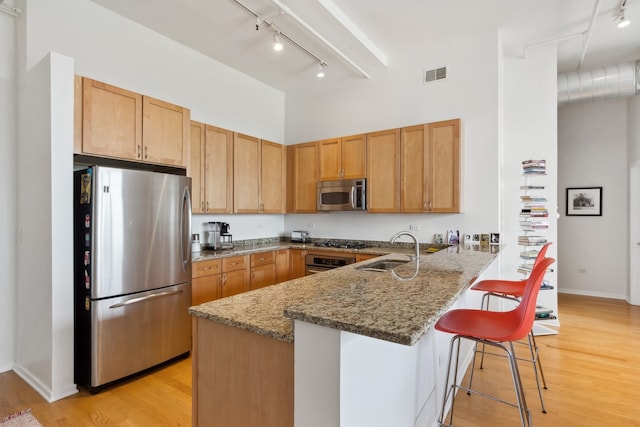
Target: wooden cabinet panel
x: 262, y: 258
x: 205, y: 289
x: 302, y: 166
x: 195, y: 168
x: 413, y: 191
x: 239, y: 262
x: 246, y: 174
x: 443, y: 179
x: 329, y: 159
x: 342, y: 158
x: 353, y: 154
x: 263, y: 275
x: 206, y: 268
x: 165, y: 130
x: 234, y: 282
x: 77, y: 114
x: 383, y: 171
x: 111, y: 121
x: 364, y: 257
x: 296, y: 263
x: 282, y: 265
x: 218, y: 167
x: 272, y: 177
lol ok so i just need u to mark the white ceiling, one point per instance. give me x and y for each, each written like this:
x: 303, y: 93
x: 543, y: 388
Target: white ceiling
x: 397, y: 29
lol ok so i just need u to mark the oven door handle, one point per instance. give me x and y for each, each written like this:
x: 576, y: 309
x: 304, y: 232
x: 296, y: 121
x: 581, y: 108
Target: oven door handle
x: 315, y: 271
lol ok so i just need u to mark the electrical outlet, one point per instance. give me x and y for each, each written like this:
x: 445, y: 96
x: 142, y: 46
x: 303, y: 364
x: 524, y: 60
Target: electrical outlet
x: 311, y: 225
x: 414, y: 227
x: 582, y: 271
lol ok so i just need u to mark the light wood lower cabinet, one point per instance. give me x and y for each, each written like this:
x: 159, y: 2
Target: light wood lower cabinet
x: 263, y: 270
x: 296, y: 263
x: 282, y: 265
x: 206, y: 279
x: 235, y: 275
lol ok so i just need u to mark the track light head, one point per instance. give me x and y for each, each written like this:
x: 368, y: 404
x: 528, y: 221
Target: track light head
x: 620, y: 20
x: 320, y: 71
x: 277, y: 43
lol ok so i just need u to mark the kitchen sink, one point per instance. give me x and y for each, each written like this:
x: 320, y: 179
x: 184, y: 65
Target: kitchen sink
x: 383, y: 265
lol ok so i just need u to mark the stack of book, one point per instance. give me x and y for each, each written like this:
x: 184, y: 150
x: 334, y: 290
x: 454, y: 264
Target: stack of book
x: 534, y: 167
x: 532, y: 240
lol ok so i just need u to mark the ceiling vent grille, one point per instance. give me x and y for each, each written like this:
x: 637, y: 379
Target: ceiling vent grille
x: 435, y: 74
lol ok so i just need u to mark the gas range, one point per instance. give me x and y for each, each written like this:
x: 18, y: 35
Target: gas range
x: 342, y: 244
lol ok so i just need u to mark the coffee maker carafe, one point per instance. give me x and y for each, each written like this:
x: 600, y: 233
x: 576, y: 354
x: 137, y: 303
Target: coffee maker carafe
x: 218, y: 236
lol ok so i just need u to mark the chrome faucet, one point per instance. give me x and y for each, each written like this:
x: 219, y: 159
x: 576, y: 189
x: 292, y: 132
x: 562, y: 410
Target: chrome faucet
x: 415, y: 257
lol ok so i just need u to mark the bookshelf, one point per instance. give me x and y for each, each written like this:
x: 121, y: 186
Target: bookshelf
x: 534, y: 224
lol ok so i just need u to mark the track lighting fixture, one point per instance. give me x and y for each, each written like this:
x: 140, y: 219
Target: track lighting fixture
x: 320, y: 71
x: 277, y: 44
x: 620, y: 19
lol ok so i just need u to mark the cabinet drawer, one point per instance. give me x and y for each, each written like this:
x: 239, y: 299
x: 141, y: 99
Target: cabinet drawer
x: 205, y: 268
x: 235, y: 263
x: 263, y: 258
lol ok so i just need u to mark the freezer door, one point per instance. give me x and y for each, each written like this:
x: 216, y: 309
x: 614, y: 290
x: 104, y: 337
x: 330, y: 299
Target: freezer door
x: 141, y: 231
x: 132, y: 333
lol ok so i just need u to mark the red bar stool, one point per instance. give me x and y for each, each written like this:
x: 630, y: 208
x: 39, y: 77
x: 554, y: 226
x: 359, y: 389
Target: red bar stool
x: 513, y: 290
x: 494, y: 328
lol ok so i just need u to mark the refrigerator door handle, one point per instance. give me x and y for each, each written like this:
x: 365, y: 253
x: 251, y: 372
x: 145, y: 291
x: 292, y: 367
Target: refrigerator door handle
x: 146, y: 298
x: 185, y: 220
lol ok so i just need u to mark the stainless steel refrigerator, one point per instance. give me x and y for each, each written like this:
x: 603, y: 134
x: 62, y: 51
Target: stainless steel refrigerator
x: 132, y: 262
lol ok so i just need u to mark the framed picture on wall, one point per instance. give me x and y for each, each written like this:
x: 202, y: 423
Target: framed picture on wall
x: 584, y: 201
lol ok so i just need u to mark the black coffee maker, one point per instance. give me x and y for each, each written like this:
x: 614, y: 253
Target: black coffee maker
x: 218, y: 236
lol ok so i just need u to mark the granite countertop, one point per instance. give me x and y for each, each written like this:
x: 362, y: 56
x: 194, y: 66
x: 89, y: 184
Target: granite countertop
x: 375, y: 304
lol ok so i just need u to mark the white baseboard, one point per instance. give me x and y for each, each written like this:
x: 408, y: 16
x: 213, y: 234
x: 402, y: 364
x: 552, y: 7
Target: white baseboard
x: 6, y: 368
x: 44, y: 391
x: 591, y: 293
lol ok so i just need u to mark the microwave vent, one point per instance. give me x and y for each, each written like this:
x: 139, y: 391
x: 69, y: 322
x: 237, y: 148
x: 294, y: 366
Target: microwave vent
x: 435, y: 74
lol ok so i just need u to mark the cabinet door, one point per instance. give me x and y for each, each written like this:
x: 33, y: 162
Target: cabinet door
x: 353, y: 155
x: 303, y: 178
x: 263, y: 275
x: 272, y: 177
x: 246, y: 174
x: 383, y: 171
x: 165, y: 130
x: 296, y: 263
x: 413, y: 197
x: 240, y: 262
x: 195, y: 167
x: 443, y: 174
x: 329, y: 159
x: 282, y: 265
x: 77, y: 114
x: 364, y: 257
x: 204, y: 289
x: 235, y: 282
x: 111, y: 121
x: 218, y: 175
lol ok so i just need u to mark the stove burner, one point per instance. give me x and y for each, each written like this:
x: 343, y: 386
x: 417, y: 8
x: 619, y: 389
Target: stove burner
x: 343, y: 244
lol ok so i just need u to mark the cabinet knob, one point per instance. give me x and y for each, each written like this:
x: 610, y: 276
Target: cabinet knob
x: 146, y: 152
x: 139, y: 152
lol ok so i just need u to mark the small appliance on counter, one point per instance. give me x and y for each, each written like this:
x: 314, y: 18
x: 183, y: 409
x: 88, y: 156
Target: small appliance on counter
x: 218, y: 236
x: 195, y: 243
x: 300, y: 236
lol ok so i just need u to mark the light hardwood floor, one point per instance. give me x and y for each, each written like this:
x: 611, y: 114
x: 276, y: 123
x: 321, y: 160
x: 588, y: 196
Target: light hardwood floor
x: 592, y: 369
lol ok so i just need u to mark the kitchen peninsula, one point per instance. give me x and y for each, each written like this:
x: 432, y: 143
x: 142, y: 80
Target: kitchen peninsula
x: 365, y: 351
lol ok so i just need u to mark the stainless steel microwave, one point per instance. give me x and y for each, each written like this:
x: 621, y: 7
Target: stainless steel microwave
x: 343, y: 195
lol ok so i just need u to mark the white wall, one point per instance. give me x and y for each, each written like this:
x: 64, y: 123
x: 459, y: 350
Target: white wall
x: 8, y: 190
x: 399, y: 98
x: 592, y: 151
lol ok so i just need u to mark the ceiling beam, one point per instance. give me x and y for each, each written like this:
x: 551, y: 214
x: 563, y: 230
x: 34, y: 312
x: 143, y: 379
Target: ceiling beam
x: 355, y: 31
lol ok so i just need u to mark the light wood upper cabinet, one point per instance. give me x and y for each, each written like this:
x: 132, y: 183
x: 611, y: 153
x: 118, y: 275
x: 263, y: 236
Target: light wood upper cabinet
x: 430, y: 167
x: 246, y: 174
x: 259, y: 174
x: 383, y: 171
x: 195, y: 168
x: 272, y: 177
x: 111, y: 121
x: 443, y: 179
x: 218, y: 170
x: 302, y: 178
x: 126, y: 125
x: 165, y: 131
x: 342, y: 158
